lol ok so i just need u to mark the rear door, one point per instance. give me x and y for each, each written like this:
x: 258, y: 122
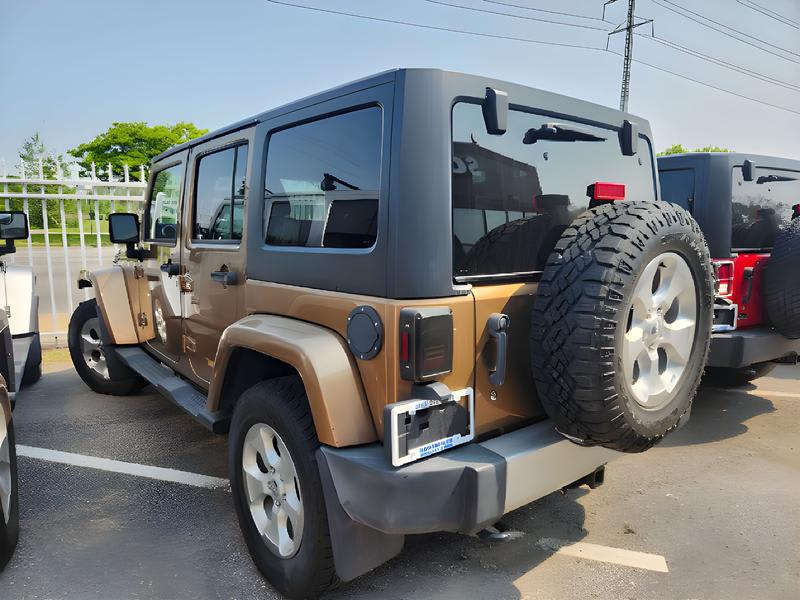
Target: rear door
x: 213, y: 250
x: 513, y: 196
x: 161, y: 271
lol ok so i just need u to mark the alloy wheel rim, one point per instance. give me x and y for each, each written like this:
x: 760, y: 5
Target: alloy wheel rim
x: 5, y: 467
x: 273, y: 490
x: 94, y: 355
x: 660, y: 331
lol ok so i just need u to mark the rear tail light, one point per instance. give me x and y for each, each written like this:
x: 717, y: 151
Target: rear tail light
x: 426, y: 343
x: 605, y: 191
x: 724, y: 272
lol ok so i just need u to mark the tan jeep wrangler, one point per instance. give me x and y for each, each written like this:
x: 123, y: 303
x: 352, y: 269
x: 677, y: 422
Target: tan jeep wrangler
x: 415, y: 303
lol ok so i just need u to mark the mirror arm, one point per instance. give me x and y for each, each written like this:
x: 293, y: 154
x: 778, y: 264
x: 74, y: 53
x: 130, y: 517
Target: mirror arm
x: 8, y: 248
x: 131, y: 251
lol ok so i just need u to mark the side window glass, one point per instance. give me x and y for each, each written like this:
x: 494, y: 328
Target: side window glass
x: 323, y: 181
x: 219, y: 195
x: 677, y: 187
x: 162, y: 209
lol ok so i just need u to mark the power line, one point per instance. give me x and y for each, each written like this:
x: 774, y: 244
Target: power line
x: 552, y: 12
x: 771, y: 14
x: 435, y: 27
x: 506, y: 14
x: 713, y: 87
x: 678, y: 6
x: 722, y: 63
x: 521, y: 39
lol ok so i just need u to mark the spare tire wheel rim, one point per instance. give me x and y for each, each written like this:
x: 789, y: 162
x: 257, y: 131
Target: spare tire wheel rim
x: 94, y: 355
x: 659, y: 336
x: 272, y: 490
x: 5, y: 467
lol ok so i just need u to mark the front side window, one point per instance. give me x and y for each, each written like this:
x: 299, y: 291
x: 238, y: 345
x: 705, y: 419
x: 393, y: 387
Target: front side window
x: 323, y: 181
x: 761, y: 207
x: 514, y: 194
x: 219, y: 195
x: 161, y: 219
x: 677, y: 187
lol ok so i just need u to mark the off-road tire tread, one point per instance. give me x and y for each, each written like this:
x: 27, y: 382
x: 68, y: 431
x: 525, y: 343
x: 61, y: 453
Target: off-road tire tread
x: 574, y: 320
x: 782, y: 282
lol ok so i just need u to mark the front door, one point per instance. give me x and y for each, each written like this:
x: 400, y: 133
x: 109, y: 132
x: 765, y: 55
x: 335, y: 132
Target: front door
x: 213, y: 251
x: 160, y: 271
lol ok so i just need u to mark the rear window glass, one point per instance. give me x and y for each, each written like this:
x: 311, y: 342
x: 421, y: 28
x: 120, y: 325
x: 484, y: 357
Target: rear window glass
x: 677, y: 187
x: 512, y: 199
x: 761, y: 207
x: 323, y: 180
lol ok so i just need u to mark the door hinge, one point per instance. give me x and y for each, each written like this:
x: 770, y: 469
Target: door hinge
x: 186, y: 283
x: 142, y: 319
x: 189, y: 344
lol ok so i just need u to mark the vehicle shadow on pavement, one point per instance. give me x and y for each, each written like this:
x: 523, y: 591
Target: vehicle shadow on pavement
x: 445, y: 565
x: 719, y: 414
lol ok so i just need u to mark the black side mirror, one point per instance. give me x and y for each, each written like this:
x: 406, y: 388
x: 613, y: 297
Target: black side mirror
x: 123, y: 228
x: 749, y: 170
x: 13, y: 226
x: 495, y: 111
x: 629, y: 137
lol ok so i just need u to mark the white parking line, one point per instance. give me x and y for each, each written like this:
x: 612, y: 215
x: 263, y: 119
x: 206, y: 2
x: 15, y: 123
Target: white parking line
x: 770, y: 393
x: 116, y: 466
x: 606, y: 554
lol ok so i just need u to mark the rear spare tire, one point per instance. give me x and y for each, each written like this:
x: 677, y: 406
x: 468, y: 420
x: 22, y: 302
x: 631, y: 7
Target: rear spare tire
x: 782, y: 282
x: 621, y: 324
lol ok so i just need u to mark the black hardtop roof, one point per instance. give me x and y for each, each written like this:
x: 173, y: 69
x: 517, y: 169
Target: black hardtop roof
x: 730, y: 159
x: 572, y: 105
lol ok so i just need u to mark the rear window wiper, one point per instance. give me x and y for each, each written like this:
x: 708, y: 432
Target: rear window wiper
x: 772, y: 178
x: 558, y: 132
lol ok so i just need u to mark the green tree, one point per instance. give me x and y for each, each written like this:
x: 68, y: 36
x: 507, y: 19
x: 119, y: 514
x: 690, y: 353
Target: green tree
x: 681, y: 149
x: 133, y: 144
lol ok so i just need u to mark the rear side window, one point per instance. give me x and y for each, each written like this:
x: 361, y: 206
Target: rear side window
x: 219, y: 195
x: 161, y: 219
x: 761, y: 207
x: 677, y: 186
x: 514, y: 194
x: 323, y: 180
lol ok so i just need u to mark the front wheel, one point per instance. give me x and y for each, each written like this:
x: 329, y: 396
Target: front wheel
x: 95, y: 364
x: 276, y: 487
x: 9, y: 509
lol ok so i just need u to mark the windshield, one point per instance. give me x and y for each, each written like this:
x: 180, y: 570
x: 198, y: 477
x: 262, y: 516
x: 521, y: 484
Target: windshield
x: 761, y: 207
x: 514, y: 194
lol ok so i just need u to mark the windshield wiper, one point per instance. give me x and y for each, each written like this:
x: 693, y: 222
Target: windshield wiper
x: 773, y: 178
x: 558, y: 132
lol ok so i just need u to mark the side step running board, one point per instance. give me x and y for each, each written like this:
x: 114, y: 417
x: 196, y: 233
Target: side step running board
x: 177, y: 389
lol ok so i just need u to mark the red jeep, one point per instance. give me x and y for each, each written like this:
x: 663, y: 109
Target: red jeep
x: 748, y: 207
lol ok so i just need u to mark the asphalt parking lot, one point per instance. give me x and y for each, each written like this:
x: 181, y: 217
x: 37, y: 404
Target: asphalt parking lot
x: 714, y: 512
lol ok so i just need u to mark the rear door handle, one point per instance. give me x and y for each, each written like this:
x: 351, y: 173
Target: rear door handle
x: 171, y: 268
x: 497, y: 326
x: 226, y: 278
x: 748, y: 275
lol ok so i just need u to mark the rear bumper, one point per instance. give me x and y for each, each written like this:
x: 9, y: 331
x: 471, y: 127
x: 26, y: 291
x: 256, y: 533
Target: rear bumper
x: 744, y: 347
x: 460, y: 490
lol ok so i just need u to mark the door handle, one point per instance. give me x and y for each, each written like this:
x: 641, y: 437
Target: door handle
x: 748, y: 275
x: 226, y: 277
x: 171, y: 268
x: 497, y: 326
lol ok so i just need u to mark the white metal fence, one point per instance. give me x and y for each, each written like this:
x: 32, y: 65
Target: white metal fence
x: 69, y: 230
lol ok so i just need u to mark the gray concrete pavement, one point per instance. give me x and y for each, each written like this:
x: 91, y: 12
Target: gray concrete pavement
x: 719, y: 500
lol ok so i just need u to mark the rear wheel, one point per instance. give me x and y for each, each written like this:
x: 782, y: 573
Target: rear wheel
x: 622, y: 323
x: 725, y: 377
x: 9, y: 509
x: 277, y: 490
x: 95, y: 363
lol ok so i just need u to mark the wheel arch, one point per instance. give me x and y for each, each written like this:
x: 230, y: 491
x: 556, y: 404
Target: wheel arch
x: 260, y: 347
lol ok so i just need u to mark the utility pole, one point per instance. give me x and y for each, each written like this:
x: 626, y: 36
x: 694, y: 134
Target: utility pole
x: 629, y: 25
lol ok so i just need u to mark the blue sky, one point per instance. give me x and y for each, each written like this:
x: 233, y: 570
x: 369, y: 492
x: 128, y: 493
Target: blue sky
x: 69, y: 69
